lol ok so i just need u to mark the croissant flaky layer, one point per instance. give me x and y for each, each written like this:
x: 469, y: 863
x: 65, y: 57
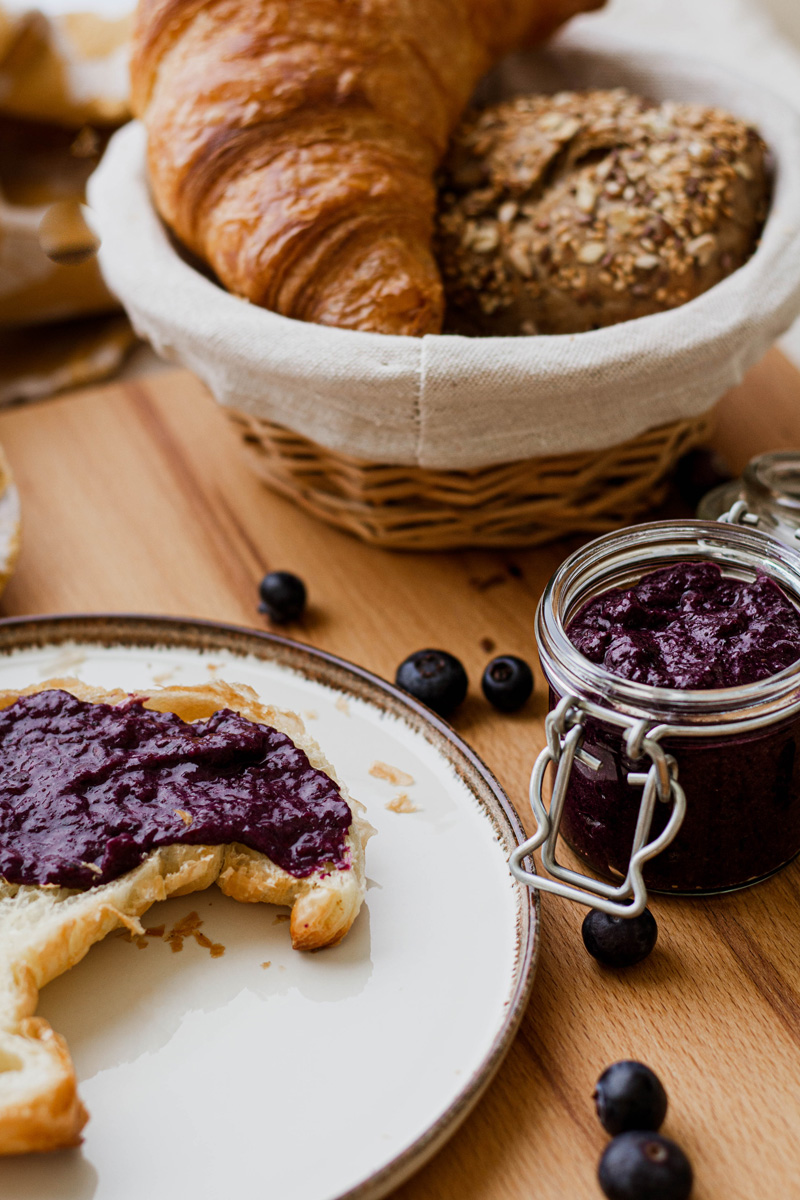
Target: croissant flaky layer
x: 293, y: 143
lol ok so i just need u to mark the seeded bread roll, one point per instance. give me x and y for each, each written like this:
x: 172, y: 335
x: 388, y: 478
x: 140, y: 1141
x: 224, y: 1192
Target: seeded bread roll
x: 560, y: 214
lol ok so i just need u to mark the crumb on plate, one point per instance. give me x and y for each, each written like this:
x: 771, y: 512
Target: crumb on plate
x: 393, y: 775
x: 402, y: 803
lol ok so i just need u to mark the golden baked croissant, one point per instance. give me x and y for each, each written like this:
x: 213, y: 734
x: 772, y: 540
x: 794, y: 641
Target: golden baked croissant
x: 293, y: 143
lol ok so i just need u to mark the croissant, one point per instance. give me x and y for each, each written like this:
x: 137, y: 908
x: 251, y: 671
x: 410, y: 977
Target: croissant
x: 292, y: 144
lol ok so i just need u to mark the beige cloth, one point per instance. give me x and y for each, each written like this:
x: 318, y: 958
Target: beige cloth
x: 10, y: 522
x: 70, y: 69
x: 452, y: 402
x: 56, y: 77
x: 63, y: 81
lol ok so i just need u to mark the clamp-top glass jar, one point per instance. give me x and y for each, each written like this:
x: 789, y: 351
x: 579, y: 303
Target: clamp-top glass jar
x: 723, y: 763
x: 767, y: 497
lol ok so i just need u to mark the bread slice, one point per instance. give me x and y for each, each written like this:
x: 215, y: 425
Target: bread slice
x: 45, y: 930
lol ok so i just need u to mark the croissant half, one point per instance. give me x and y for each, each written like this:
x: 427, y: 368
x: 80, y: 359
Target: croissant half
x: 293, y: 143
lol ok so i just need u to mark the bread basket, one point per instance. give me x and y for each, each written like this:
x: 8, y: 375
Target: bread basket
x: 447, y: 441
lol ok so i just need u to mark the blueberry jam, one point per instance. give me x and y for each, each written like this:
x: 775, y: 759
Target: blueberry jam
x: 88, y: 790
x: 689, y: 627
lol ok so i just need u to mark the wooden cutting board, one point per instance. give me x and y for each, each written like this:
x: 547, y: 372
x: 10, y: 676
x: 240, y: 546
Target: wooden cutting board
x: 135, y: 498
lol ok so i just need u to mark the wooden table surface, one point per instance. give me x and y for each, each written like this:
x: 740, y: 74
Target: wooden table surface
x: 136, y: 499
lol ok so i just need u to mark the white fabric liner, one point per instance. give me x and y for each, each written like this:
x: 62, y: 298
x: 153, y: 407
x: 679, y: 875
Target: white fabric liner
x: 456, y: 403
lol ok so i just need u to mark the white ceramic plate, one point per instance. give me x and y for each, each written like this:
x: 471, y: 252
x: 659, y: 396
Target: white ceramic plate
x: 318, y: 1076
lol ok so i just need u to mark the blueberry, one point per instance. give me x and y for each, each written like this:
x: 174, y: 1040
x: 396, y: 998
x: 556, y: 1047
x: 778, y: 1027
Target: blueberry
x: 435, y: 677
x: 507, y: 682
x: 628, y: 1095
x: 283, y: 596
x: 619, y: 941
x: 638, y: 1165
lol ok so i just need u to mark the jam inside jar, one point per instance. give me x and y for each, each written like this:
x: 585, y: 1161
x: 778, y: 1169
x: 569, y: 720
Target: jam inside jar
x: 735, y: 747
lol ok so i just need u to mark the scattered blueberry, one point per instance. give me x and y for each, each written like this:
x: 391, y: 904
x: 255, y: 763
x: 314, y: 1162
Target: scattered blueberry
x: 283, y: 596
x: 638, y: 1165
x: 628, y: 1095
x: 619, y: 941
x: 435, y: 677
x: 507, y: 682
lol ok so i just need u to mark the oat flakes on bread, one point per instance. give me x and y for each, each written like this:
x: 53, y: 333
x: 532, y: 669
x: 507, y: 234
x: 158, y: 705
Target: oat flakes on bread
x: 566, y: 213
x: 45, y: 930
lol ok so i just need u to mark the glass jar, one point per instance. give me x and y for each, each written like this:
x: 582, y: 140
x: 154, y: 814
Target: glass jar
x: 767, y: 497
x: 727, y: 756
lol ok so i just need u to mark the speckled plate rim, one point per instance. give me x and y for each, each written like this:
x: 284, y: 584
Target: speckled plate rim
x: 124, y: 629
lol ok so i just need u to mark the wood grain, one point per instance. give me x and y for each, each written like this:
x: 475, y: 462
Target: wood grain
x: 135, y: 498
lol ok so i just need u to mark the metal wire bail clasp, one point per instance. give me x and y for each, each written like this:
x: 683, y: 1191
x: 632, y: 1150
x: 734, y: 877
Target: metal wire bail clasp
x: 738, y: 514
x: 565, y: 729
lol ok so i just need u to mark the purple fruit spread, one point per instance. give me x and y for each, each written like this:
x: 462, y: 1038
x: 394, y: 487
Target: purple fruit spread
x: 88, y: 790
x: 688, y: 626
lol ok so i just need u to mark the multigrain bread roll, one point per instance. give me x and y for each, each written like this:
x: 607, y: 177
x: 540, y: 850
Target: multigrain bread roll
x: 45, y: 928
x: 565, y: 213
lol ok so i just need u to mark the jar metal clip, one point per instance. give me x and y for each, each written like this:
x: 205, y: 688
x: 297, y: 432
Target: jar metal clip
x: 565, y: 728
x: 739, y: 514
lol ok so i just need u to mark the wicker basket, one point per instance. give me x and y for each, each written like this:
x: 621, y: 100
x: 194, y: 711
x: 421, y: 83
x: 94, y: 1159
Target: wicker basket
x: 437, y: 442
x: 514, y: 504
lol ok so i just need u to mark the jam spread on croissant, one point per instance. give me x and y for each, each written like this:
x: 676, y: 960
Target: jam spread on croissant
x: 690, y: 626
x: 88, y: 790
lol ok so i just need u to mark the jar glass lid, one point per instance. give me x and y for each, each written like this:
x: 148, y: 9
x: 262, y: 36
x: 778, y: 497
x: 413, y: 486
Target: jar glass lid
x: 767, y: 497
